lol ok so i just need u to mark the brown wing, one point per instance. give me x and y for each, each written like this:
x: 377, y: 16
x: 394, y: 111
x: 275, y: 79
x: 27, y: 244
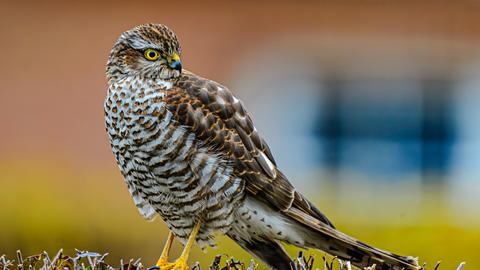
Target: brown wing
x: 221, y: 122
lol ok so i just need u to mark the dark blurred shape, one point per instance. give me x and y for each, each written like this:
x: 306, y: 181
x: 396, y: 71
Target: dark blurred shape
x: 438, y: 127
x: 363, y: 122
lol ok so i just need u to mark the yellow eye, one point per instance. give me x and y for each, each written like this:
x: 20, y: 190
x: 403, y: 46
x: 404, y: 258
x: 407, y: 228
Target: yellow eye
x: 151, y: 54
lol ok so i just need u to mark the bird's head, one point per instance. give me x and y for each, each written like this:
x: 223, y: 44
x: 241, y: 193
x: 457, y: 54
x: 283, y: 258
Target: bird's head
x: 149, y: 51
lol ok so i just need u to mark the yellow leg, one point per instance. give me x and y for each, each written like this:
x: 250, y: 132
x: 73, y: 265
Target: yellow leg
x: 181, y: 262
x: 163, y: 261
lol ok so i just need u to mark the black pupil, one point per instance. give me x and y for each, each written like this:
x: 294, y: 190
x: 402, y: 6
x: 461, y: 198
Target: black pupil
x: 152, y: 54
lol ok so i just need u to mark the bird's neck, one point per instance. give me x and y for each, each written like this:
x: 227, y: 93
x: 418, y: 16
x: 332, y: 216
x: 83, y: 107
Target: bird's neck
x: 135, y: 83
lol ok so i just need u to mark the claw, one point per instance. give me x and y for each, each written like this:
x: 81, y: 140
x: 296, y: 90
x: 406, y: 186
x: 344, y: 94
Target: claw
x: 162, y: 262
x: 179, y: 264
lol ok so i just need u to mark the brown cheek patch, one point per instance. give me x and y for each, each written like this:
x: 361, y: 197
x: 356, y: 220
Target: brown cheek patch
x: 131, y: 59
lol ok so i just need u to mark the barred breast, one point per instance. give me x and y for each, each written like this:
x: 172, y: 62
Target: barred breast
x: 166, y: 169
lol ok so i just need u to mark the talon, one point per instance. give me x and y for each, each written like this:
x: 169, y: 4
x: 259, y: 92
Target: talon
x: 179, y: 264
x: 162, y: 263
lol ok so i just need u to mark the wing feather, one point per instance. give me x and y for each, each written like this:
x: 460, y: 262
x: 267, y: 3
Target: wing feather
x: 220, y: 121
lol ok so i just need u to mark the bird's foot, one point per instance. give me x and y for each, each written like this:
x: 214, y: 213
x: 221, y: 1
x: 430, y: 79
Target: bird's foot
x: 179, y: 264
x: 162, y: 263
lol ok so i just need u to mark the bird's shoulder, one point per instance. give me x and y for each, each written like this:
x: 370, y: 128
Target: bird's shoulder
x: 220, y: 120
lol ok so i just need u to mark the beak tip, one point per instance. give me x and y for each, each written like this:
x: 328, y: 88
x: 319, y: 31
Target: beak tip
x: 177, y: 65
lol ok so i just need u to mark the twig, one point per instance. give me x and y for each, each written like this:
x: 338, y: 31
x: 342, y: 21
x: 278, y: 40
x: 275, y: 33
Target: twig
x: 96, y: 261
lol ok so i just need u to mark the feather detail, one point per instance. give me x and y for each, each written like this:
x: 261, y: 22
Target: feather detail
x: 348, y: 248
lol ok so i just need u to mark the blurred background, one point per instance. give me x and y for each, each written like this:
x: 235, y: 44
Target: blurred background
x: 370, y: 108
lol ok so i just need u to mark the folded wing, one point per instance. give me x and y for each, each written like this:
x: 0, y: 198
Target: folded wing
x: 220, y: 121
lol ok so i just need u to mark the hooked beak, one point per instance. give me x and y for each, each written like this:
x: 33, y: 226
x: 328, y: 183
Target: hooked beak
x: 174, y: 62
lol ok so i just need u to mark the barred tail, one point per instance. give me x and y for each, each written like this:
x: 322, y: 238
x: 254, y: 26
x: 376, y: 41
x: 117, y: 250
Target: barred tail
x: 326, y: 238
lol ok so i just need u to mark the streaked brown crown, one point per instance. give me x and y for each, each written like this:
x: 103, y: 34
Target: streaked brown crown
x: 127, y: 57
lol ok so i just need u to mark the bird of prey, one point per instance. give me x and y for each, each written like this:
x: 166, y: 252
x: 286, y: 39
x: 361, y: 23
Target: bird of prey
x: 189, y: 152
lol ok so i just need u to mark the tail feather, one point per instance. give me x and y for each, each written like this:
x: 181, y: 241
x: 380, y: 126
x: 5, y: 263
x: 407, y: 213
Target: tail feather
x: 269, y: 252
x: 347, y: 248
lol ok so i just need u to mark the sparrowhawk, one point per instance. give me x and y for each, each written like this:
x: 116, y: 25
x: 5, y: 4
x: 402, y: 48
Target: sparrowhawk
x: 189, y: 152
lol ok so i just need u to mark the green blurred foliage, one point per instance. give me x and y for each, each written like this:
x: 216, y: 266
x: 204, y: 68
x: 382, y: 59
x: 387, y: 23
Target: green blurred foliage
x: 48, y: 207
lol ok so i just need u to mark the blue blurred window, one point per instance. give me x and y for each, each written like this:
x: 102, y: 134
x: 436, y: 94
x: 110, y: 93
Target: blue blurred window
x: 390, y: 127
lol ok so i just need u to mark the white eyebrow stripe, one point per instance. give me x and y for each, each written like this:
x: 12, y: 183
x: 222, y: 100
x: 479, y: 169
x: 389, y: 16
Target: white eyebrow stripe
x: 139, y: 43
